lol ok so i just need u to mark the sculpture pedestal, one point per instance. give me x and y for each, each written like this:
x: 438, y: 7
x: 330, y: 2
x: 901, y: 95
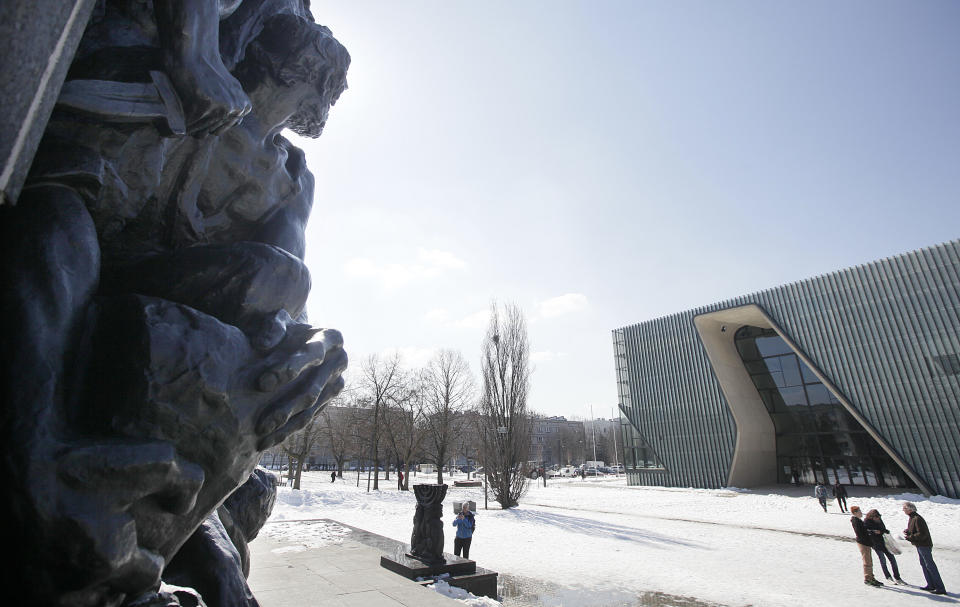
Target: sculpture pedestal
x: 464, y: 573
x: 412, y: 568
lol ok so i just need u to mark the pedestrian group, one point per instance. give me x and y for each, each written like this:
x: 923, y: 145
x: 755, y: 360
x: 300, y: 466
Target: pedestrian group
x: 873, y: 536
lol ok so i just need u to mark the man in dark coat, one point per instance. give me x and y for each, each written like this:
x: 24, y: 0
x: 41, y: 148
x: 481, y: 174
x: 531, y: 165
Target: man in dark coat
x: 865, y: 544
x: 840, y: 492
x: 918, y: 534
x: 878, y: 531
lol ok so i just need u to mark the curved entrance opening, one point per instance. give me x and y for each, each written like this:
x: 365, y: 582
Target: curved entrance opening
x: 817, y: 440
x: 793, y: 423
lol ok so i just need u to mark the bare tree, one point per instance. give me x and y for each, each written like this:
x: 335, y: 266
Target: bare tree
x: 270, y: 457
x: 299, y: 445
x: 337, y: 427
x: 505, y: 368
x: 569, y: 442
x: 361, y: 423
x: 450, y: 389
x: 405, y: 424
x: 381, y: 383
x: 468, y: 444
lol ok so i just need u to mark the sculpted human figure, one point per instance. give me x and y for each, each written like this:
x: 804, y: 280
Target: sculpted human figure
x: 145, y: 367
x: 126, y: 38
x: 253, y: 201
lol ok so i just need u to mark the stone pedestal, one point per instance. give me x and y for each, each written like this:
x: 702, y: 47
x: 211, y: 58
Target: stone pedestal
x: 37, y: 42
x: 463, y: 573
x: 413, y: 568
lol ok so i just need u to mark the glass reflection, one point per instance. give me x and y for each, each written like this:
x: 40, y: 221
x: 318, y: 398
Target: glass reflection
x: 817, y: 438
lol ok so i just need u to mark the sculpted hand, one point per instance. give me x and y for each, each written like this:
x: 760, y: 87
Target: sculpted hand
x: 299, y: 379
x: 172, y: 374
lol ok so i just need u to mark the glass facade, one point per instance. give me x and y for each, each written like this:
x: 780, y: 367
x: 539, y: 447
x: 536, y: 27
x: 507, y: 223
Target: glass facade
x: 637, y: 454
x: 817, y: 438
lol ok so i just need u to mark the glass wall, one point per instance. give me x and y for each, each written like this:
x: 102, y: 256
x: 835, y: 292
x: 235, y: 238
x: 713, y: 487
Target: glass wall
x: 637, y: 454
x: 817, y: 439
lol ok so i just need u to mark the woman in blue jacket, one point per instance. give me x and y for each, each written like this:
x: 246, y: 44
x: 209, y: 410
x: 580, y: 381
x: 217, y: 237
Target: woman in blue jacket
x: 465, y: 524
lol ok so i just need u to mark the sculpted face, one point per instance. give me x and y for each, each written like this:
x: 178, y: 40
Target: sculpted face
x: 296, y: 70
x: 315, y: 97
x: 312, y: 111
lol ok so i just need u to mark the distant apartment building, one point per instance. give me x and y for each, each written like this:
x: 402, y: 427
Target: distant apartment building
x: 853, y: 376
x: 556, y: 441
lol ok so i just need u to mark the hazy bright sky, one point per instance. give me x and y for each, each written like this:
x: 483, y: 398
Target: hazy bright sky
x: 604, y: 163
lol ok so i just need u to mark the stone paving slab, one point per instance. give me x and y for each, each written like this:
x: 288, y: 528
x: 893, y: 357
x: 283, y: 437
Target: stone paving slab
x: 343, y: 574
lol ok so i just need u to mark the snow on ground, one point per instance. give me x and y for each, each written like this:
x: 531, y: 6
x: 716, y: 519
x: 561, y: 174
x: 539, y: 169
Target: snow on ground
x: 463, y: 596
x: 733, y: 547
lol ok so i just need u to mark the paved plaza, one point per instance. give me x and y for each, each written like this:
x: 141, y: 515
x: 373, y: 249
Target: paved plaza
x: 346, y: 573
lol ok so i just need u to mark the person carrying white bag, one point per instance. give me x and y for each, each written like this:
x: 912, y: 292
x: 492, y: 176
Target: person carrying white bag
x: 883, y: 544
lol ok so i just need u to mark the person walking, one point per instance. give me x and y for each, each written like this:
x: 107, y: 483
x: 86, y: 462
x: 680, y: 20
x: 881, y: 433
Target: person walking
x: 865, y: 544
x: 874, y: 524
x: 821, y: 494
x: 465, y: 523
x: 840, y: 492
x: 333, y: 476
x: 918, y: 534
x: 399, y: 479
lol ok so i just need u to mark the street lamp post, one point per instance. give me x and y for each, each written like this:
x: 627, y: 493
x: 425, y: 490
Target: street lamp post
x: 593, y: 426
x: 583, y: 459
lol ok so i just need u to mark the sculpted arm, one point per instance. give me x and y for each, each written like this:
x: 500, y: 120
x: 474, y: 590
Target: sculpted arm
x: 213, y: 100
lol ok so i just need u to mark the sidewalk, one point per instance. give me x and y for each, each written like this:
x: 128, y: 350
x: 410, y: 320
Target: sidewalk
x: 343, y: 572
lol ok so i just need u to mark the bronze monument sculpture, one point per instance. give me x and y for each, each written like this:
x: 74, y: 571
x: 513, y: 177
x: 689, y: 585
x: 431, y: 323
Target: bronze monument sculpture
x: 154, y: 334
x: 426, y: 541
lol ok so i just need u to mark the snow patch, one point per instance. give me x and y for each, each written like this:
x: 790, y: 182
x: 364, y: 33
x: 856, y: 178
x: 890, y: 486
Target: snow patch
x: 305, y: 534
x: 471, y: 600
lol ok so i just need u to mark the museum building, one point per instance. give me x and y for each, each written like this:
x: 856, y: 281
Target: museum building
x: 853, y: 376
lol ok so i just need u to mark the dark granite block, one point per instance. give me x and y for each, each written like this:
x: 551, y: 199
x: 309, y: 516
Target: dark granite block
x: 412, y: 568
x: 481, y: 583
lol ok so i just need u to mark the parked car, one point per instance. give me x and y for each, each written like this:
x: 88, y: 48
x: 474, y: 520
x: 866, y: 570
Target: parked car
x: 467, y: 468
x: 591, y: 471
x: 553, y: 474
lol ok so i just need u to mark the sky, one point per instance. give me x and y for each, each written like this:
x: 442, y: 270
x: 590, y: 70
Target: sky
x: 601, y: 164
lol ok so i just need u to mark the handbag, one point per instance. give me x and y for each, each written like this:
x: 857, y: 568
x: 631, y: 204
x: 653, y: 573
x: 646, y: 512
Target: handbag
x: 891, y: 544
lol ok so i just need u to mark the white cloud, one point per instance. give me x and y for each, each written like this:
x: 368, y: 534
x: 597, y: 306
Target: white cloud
x: 441, y: 317
x: 391, y: 275
x: 411, y: 356
x: 437, y: 316
x: 440, y: 259
x: 564, y: 304
x: 546, y: 356
x: 477, y: 320
x: 360, y: 266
